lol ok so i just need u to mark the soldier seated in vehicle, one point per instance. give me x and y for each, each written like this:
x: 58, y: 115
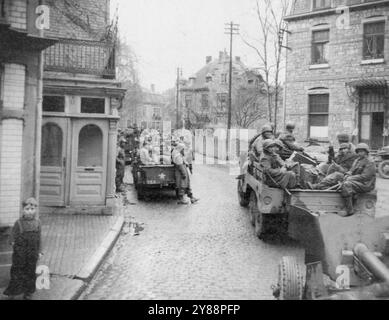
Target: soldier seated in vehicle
x: 289, y: 139
x: 255, y: 145
x: 276, y: 173
x: 338, y: 168
x: 360, y: 179
x: 145, y: 157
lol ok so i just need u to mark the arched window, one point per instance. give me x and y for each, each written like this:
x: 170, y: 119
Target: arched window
x: 51, y: 149
x: 90, y: 147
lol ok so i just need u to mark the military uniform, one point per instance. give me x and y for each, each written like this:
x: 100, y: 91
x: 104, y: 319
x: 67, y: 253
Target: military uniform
x: 360, y: 179
x: 182, y: 175
x: 274, y: 176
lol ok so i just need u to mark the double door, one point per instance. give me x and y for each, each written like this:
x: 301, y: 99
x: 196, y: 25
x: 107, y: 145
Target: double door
x: 73, y: 162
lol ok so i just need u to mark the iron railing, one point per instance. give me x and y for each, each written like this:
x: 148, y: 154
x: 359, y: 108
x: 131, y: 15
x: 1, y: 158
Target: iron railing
x: 85, y: 57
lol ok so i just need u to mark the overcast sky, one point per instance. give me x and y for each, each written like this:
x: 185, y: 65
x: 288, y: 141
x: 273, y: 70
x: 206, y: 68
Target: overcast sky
x: 166, y: 34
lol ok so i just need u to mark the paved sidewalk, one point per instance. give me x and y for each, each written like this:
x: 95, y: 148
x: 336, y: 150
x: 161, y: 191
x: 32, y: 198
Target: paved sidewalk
x: 73, y: 247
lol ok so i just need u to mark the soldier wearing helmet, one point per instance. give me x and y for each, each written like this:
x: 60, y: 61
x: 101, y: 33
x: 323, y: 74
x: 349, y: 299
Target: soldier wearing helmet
x: 289, y: 141
x: 337, y: 169
x: 360, y: 179
x: 256, y: 142
x: 276, y: 173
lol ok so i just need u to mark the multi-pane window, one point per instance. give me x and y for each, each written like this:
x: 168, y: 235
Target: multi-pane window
x: 157, y: 113
x: 320, y: 45
x: 373, y: 40
x: 188, y: 101
x: 224, y: 77
x: 204, y: 101
x: 53, y: 104
x: 318, y: 115
x: 222, y: 101
x: 321, y: 4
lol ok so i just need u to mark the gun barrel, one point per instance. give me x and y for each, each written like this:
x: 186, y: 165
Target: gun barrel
x: 371, y: 261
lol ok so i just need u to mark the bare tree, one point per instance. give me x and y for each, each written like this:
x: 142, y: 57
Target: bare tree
x: 268, y: 45
x: 249, y: 106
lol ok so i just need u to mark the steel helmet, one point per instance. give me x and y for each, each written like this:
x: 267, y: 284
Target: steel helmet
x: 362, y: 146
x: 268, y: 143
x: 343, y: 138
x: 344, y: 146
x: 290, y: 126
x: 278, y: 143
x: 267, y: 128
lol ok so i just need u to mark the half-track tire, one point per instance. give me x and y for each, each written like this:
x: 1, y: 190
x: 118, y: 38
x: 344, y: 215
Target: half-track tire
x: 244, y: 200
x: 383, y: 169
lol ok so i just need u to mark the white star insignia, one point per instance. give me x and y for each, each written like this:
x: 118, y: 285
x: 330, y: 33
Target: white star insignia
x: 162, y: 176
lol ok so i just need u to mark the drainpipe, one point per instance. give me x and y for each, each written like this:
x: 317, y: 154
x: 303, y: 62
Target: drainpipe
x: 38, y: 126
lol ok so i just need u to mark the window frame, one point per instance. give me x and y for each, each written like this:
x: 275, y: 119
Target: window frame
x: 314, y: 2
x: 220, y: 101
x: 55, y: 95
x: 310, y: 113
x: 370, y: 22
x: 91, y: 97
x: 204, y: 106
x: 320, y: 42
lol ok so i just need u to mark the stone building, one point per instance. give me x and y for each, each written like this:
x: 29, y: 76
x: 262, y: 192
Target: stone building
x: 337, y: 69
x: 204, y: 96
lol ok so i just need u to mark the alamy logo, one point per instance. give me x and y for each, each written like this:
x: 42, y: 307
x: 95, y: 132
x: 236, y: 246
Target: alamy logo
x: 43, y: 278
x: 343, y: 279
x: 343, y: 21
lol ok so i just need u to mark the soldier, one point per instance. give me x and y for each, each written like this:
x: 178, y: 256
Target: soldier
x: 360, y: 179
x: 345, y: 138
x: 276, y: 173
x: 289, y: 139
x: 337, y: 170
x: 182, y: 175
x: 145, y: 157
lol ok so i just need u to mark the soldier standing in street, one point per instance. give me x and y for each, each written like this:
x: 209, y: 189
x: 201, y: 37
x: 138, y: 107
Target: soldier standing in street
x: 360, y: 179
x: 182, y: 175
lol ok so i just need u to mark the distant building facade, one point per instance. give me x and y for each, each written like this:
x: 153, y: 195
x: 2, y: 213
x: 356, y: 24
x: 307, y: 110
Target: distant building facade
x: 148, y: 111
x: 337, y: 70
x: 204, y: 96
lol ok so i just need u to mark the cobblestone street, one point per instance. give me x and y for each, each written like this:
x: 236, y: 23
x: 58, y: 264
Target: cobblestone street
x: 203, y: 251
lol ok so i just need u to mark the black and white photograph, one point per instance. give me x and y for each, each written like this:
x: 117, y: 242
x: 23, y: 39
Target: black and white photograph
x: 204, y: 151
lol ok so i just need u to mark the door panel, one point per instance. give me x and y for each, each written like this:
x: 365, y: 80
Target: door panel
x: 53, y: 161
x: 377, y: 129
x: 89, y: 162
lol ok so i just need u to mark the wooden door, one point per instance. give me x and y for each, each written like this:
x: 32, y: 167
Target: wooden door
x: 53, y: 161
x: 89, y: 162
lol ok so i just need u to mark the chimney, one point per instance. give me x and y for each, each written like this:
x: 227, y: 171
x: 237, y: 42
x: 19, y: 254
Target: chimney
x: 237, y: 59
x: 208, y: 59
x: 152, y: 87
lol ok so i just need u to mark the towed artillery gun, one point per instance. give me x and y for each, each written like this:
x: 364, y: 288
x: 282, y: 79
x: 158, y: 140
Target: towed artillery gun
x: 341, y: 253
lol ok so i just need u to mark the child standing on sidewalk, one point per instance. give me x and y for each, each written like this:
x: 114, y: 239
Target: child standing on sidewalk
x: 26, y: 241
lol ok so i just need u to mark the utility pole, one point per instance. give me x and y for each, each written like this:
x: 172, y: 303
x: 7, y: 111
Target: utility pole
x: 178, y: 99
x: 230, y: 29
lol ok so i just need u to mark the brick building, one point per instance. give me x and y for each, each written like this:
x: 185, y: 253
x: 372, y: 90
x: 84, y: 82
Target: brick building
x: 204, y: 96
x: 337, y: 70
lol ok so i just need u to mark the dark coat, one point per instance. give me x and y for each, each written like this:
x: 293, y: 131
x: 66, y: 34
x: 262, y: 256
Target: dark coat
x: 272, y: 165
x: 26, y: 236
x: 181, y: 171
x: 361, y: 178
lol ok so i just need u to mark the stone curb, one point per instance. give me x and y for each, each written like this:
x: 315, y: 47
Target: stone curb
x: 94, y: 262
